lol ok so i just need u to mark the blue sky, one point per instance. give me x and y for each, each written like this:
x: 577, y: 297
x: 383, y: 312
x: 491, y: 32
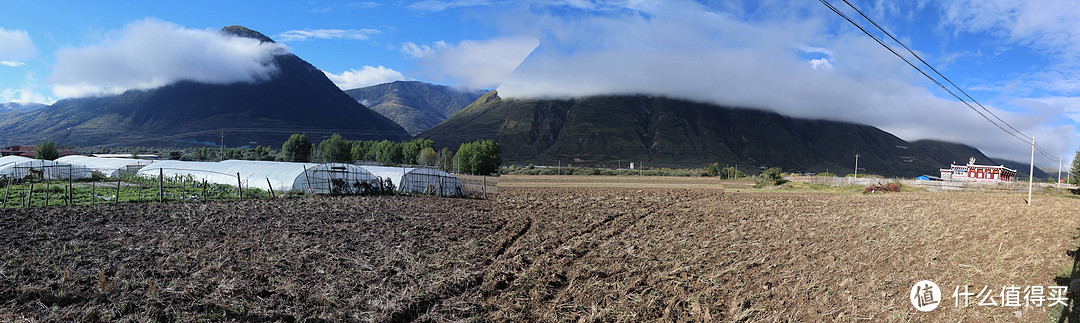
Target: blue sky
x: 794, y: 57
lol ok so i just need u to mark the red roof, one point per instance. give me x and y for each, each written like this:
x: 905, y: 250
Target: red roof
x: 28, y: 151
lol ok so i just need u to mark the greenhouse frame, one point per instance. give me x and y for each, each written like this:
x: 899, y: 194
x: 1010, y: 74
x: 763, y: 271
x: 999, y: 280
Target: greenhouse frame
x: 424, y: 180
x: 18, y: 167
x: 311, y: 178
x: 109, y: 167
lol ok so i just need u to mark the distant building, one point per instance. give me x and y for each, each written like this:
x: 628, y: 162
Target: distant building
x: 928, y: 178
x: 28, y: 151
x: 16, y: 150
x: 140, y: 156
x: 977, y: 173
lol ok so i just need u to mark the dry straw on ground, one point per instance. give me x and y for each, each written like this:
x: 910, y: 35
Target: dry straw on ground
x: 560, y: 249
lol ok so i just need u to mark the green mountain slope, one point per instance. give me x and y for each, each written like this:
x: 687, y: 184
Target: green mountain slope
x: 416, y: 106
x: 606, y: 130
x: 299, y: 98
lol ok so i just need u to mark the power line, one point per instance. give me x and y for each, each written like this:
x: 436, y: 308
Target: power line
x: 932, y: 79
x: 1041, y: 150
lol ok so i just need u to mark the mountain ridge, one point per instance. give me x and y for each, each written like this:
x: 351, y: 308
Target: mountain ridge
x: 414, y: 105
x: 610, y: 130
x: 298, y: 97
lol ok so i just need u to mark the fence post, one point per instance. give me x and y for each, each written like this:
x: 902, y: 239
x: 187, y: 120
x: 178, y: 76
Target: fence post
x: 117, y: 201
x: 69, y: 186
x: 48, y: 192
x: 161, y: 185
x: 30, y: 197
x: 204, y: 190
x: 6, y: 190
x: 239, y: 187
x: 485, y: 187
x: 93, y: 192
x: 271, y: 188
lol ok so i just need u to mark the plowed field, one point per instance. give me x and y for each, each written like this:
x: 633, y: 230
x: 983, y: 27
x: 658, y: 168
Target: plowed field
x: 545, y: 249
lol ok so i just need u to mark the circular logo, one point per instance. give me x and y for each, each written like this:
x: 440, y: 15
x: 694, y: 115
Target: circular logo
x: 925, y: 296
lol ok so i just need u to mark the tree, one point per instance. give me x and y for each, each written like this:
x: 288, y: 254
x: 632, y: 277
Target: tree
x: 335, y: 150
x: 428, y: 157
x: 297, y: 148
x: 489, y: 157
x: 771, y: 176
x: 361, y: 150
x: 46, y: 150
x: 466, y: 157
x: 479, y: 157
x: 1075, y: 170
x: 446, y: 160
x: 388, y: 153
x: 713, y: 169
x: 411, y: 150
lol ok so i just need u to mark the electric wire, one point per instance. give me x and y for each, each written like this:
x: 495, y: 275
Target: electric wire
x: 932, y: 79
x: 958, y: 88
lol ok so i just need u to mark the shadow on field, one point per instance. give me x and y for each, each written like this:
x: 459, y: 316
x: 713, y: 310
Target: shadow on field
x: 1071, y: 313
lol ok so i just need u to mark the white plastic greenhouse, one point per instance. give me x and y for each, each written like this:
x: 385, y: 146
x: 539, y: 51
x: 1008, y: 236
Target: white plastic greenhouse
x: 419, y: 180
x: 305, y: 177
x: 18, y: 167
x: 110, y: 167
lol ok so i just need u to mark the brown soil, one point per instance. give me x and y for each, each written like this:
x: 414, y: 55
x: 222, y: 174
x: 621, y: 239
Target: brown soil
x: 596, y: 249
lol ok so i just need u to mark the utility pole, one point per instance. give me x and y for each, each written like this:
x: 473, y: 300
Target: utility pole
x: 856, y: 167
x: 1058, y: 184
x: 221, y: 149
x: 1031, y: 171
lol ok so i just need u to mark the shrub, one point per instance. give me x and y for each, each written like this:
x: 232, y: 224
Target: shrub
x: 771, y: 177
x: 46, y: 150
x: 297, y: 148
x: 890, y: 187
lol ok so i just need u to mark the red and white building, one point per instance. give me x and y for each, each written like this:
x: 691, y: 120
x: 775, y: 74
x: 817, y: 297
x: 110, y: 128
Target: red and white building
x: 977, y: 173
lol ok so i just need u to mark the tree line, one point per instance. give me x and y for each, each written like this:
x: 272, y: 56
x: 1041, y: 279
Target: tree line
x: 477, y: 157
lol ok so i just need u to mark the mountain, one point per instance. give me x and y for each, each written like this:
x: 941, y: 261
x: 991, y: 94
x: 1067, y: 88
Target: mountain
x: 610, y: 130
x: 948, y: 152
x: 416, y: 106
x: 1023, y: 168
x: 297, y: 98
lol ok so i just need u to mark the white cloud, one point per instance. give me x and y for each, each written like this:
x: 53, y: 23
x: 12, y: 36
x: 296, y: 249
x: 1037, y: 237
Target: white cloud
x: 151, y: 53
x: 474, y: 64
x: 16, y: 45
x: 308, y: 34
x: 12, y: 63
x: 684, y: 50
x: 25, y: 95
x: 439, y: 5
x: 418, y: 51
x: 820, y: 64
x: 366, y: 76
x: 1047, y: 25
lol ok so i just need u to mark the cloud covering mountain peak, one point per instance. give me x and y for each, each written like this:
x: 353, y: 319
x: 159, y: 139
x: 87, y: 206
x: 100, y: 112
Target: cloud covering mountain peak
x: 151, y: 53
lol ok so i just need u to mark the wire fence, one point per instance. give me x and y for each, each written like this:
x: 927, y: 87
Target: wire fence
x: 936, y: 186
x: 40, y: 189
x: 475, y: 186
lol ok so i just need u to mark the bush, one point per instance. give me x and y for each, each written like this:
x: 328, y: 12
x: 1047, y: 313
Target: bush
x: 335, y: 150
x: 297, y: 148
x: 771, y: 177
x: 890, y: 187
x: 46, y: 150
